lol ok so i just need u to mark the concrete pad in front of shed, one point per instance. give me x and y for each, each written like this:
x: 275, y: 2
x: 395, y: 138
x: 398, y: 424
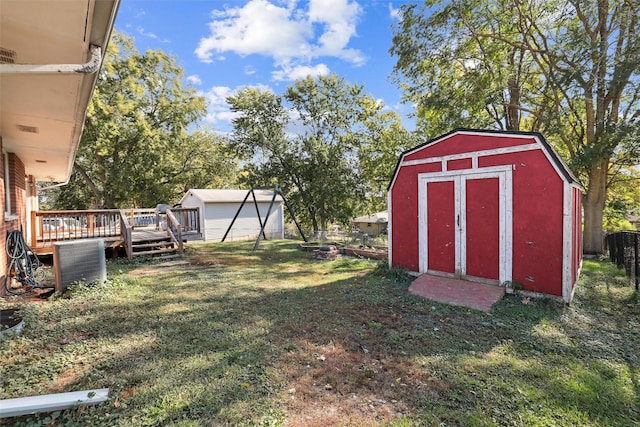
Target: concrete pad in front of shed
x: 457, y: 292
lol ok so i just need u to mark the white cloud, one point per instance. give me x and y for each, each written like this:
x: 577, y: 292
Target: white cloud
x: 194, y: 80
x: 217, y: 107
x: 289, y: 73
x: 339, y: 19
x: 259, y: 27
x: 151, y: 35
x: 218, y: 110
x: 287, y: 31
x: 394, y: 13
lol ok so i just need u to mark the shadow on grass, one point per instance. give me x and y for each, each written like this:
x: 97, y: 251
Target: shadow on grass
x: 237, y: 339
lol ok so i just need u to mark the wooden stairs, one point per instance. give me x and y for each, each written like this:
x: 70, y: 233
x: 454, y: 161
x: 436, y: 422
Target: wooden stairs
x: 154, y: 246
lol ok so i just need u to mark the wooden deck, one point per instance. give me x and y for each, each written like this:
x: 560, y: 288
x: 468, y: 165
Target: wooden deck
x: 137, y: 236
x: 138, y: 231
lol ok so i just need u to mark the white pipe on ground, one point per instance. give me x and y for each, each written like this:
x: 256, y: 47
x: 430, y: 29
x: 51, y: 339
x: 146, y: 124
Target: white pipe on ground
x: 87, y: 68
x: 51, y: 402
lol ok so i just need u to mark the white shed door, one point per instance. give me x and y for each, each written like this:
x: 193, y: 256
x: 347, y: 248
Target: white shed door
x: 464, y: 225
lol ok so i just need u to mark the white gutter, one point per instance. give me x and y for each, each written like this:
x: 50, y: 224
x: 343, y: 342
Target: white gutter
x: 60, y: 184
x: 87, y: 68
x: 51, y: 402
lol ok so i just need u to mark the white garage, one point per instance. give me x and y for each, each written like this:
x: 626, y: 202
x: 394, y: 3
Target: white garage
x: 218, y: 208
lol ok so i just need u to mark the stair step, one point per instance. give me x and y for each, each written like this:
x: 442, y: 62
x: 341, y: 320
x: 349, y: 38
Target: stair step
x: 155, y: 251
x: 114, y: 244
x: 152, y: 238
x: 152, y: 245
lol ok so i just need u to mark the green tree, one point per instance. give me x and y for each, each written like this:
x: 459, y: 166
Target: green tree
x: 384, y: 138
x: 315, y: 146
x: 135, y: 150
x: 569, y: 69
x: 623, y: 198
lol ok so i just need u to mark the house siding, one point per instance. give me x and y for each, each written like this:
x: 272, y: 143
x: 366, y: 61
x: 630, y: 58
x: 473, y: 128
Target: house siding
x: 372, y: 229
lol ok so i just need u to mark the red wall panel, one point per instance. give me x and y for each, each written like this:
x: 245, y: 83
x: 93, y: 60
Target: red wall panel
x: 404, y: 220
x: 537, y: 220
x: 461, y: 143
x: 459, y: 164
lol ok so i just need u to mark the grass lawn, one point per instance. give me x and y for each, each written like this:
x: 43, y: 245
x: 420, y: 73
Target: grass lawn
x: 277, y: 338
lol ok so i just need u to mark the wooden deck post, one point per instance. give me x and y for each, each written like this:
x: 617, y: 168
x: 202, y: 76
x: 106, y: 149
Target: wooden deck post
x: 34, y: 236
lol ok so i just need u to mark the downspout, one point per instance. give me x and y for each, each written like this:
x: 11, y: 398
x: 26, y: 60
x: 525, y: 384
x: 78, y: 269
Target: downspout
x: 49, y: 187
x: 87, y: 68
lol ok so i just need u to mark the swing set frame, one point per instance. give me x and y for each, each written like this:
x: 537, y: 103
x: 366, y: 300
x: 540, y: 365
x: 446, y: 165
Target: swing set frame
x: 276, y: 191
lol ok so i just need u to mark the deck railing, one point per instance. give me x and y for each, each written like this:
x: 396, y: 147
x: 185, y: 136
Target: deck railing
x: 48, y: 227
x: 112, y: 225
x: 174, y: 229
x: 127, y: 234
x: 141, y: 217
x: 188, y: 218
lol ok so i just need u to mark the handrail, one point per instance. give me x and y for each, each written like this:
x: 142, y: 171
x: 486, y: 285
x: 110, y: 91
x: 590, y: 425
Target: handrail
x: 173, y: 224
x: 116, y: 226
x: 141, y: 217
x: 48, y: 227
x: 126, y: 233
x: 188, y: 218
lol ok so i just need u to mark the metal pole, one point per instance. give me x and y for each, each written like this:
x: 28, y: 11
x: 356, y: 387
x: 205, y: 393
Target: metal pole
x: 636, y: 260
x: 237, y: 213
x: 255, y: 202
x: 292, y: 214
x: 266, y: 218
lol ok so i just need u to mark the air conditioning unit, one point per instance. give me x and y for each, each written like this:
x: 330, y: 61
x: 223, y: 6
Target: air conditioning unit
x: 79, y: 261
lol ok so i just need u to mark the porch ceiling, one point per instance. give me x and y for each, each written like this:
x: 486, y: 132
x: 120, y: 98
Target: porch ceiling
x: 41, y: 115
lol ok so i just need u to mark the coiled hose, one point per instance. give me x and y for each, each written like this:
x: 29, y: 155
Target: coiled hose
x: 22, y: 266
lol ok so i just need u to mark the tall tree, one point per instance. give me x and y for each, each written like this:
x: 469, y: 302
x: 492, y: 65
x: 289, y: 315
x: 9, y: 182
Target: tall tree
x: 569, y: 69
x: 313, y: 141
x: 135, y: 149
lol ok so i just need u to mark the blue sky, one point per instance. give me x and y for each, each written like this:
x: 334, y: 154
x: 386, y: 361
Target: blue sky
x: 225, y: 45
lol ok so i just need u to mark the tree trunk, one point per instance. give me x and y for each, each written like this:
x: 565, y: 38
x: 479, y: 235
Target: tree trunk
x: 513, y: 107
x: 593, y: 204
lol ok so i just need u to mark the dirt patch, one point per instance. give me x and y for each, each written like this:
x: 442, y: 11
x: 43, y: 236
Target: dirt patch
x: 165, y: 267
x: 334, y: 385
x: 68, y: 378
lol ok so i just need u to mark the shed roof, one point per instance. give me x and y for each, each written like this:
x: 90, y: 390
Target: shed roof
x: 230, y: 196
x: 561, y: 166
x: 376, y: 217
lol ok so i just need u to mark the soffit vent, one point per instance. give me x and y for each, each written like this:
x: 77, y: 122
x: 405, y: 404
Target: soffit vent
x: 7, y: 56
x: 28, y: 129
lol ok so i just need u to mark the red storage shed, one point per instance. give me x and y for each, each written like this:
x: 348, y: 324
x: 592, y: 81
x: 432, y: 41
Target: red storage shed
x: 488, y: 206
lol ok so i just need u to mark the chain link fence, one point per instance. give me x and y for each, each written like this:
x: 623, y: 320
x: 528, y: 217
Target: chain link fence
x: 623, y: 251
x: 345, y: 238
